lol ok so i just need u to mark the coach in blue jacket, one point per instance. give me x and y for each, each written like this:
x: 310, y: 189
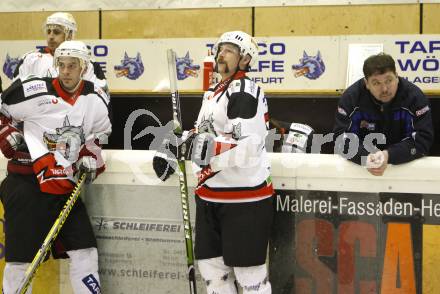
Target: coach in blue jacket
x: 382, y: 118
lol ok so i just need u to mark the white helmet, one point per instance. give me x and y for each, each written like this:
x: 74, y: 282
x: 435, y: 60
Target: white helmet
x: 73, y: 49
x: 245, y: 43
x: 65, y: 20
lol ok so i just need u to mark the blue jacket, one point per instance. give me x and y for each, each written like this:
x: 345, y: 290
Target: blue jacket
x: 405, y: 122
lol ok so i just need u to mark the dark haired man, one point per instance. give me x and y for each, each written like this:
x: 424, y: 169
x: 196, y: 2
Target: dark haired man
x: 55, y: 123
x: 234, y: 193
x: 382, y: 118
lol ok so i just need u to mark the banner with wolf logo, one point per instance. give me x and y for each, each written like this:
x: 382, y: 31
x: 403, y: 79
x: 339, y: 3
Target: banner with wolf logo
x: 285, y: 64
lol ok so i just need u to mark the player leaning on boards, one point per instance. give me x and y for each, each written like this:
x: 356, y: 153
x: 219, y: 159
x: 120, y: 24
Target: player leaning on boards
x: 61, y: 121
x: 234, y: 193
x: 59, y: 27
x: 384, y: 106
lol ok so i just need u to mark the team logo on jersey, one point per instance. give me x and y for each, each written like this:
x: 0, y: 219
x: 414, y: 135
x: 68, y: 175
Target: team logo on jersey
x: 312, y: 67
x: 206, y: 125
x: 67, y: 140
x: 131, y: 67
x: 236, y: 131
x: 367, y: 125
x: 10, y: 65
x: 185, y: 67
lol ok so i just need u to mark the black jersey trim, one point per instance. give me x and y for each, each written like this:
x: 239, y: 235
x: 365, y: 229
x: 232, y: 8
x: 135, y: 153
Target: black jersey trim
x: 17, y: 69
x: 97, y: 69
x: 224, y: 189
x: 14, y: 94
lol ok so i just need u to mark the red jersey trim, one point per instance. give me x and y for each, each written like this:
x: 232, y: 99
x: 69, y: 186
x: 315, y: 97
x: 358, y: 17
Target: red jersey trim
x: 263, y: 190
x: 220, y: 147
x: 68, y: 97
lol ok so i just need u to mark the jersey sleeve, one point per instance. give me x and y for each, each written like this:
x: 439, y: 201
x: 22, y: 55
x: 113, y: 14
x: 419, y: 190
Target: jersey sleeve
x: 345, y: 131
x: 420, y: 132
x: 102, y: 126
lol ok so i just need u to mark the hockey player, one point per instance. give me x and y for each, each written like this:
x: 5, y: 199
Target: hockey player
x: 61, y: 120
x: 382, y: 105
x: 59, y: 27
x: 234, y: 193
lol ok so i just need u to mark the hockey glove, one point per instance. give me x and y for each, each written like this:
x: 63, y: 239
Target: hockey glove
x: 87, y: 165
x: 296, y: 137
x: 198, y: 148
x: 11, y: 140
x: 92, y: 148
x: 165, y: 161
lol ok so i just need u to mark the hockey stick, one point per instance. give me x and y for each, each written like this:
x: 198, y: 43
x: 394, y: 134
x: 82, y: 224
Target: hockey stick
x: 177, y: 119
x: 51, y: 236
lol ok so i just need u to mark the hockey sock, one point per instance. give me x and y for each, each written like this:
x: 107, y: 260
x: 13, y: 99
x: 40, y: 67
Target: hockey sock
x: 253, y: 279
x: 84, y: 271
x: 218, y: 277
x: 13, y: 275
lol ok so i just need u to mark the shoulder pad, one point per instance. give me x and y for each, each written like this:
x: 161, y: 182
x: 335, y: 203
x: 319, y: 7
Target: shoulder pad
x: 34, y: 86
x: 244, y: 85
x: 32, y: 55
x: 13, y: 90
x: 22, y: 90
x: 242, y: 105
x: 29, y: 53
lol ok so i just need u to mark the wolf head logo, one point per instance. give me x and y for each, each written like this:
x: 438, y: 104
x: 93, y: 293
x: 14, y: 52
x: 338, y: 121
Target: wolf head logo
x: 10, y: 65
x: 130, y: 67
x: 185, y: 67
x: 67, y: 140
x: 206, y: 125
x: 312, y: 67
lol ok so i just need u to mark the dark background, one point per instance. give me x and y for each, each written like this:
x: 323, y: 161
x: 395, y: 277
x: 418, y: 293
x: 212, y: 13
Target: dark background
x: 316, y: 111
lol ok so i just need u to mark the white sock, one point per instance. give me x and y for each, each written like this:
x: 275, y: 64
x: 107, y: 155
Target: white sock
x: 13, y: 275
x: 219, y: 278
x: 84, y: 271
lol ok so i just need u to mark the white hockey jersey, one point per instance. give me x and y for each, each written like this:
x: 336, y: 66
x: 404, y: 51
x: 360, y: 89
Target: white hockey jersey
x: 238, y: 117
x: 40, y: 64
x: 56, y: 125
